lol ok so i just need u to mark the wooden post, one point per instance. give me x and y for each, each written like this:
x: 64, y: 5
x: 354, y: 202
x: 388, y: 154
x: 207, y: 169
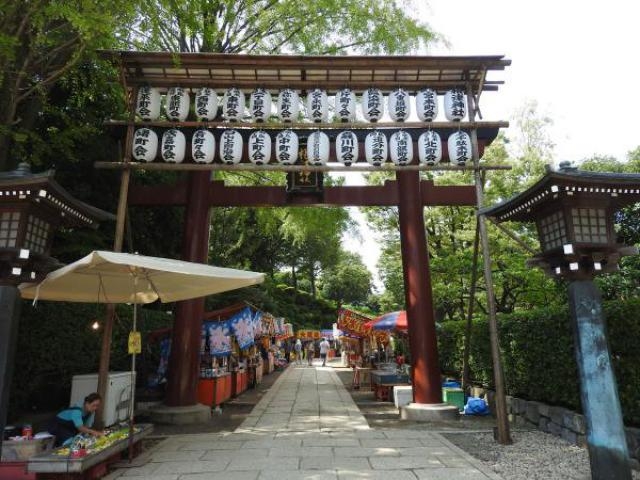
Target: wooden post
x: 183, y: 371
x: 502, y: 420
x: 472, y: 298
x: 107, y: 333
x: 421, y: 322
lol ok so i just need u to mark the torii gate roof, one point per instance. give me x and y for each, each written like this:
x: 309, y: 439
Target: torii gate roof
x: 164, y: 69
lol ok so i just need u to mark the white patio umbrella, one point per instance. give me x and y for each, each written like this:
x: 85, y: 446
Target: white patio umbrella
x: 111, y: 277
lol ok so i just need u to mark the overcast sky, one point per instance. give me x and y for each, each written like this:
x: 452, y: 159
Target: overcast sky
x: 578, y: 60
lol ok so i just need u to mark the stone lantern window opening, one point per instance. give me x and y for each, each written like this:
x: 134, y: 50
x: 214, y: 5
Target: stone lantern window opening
x: 37, y: 234
x: 9, y: 228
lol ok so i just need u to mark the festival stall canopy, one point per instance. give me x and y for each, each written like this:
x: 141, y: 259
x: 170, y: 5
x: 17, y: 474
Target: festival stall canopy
x: 390, y: 321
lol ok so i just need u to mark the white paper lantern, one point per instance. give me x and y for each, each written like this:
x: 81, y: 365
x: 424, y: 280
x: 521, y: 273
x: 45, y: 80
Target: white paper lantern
x: 401, y: 148
x: 347, y: 147
x: 427, y: 105
x: 288, y: 105
x: 230, y: 147
x: 430, y: 148
x: 145, y: 145
x: 375, y: 148
x: 372, y: 104
x: 318, y: 106
x: 173, y: 146
x: 459, y: 145
x: 346, y: 105
x: 148, y: 103
x: 287, y: 147
x: 318, y: 148
x: 399, y: 105
x: 259, y: 147
x: 455, y: 105
x: 203, y: 146
x: 206, y: 104
x: 260, y: 105
x: 177, y: 106
x: 233, y: 105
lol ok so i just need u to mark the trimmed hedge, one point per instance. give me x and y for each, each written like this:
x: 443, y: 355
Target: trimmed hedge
x: 538, y: 354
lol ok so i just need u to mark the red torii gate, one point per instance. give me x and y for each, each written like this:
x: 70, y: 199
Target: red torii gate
x: 198, y: 194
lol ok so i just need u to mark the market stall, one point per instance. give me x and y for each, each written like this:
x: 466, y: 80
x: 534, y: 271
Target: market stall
x: 87, y: 458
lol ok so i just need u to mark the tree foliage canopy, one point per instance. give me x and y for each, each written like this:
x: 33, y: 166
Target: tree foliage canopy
x: 309, y: 27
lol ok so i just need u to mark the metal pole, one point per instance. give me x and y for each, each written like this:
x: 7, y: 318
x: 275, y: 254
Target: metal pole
x: 502, y: 420
x: 605, y: 429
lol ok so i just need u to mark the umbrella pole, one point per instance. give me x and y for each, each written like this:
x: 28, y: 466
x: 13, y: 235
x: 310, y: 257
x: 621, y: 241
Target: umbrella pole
x: 133, y: 380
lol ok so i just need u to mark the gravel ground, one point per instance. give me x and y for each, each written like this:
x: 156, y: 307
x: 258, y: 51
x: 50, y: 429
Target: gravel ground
x: 533, y: 456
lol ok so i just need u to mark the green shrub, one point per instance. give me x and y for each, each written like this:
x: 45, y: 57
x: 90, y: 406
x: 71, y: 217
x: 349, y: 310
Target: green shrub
x: 539, y: 358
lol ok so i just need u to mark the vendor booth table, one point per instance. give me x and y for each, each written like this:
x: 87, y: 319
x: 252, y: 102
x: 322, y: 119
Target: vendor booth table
x: 53, y: 466
x: 383, y: 381
x: 216, y: 390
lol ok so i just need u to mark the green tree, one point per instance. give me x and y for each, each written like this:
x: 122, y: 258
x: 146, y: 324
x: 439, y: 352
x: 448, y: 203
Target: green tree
x: 349, y: 281
x: 279, y: 26
x: 41, y: 42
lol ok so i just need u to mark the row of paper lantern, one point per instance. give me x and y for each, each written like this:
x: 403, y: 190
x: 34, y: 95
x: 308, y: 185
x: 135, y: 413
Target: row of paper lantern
x: 377, y: 149
x: 288, y: 104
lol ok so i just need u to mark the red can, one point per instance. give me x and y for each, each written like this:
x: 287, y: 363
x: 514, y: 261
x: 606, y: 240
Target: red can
x: 27, y: 431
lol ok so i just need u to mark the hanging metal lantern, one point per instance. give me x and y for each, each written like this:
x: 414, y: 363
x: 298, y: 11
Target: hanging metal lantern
x: 455, y: 106
x: 430, y: 148
x: 259, y: 147
x: 459, y: 145
x: 318, y: 148
x: 401, y: 148
x: 145, y: 145
x: 372, y: 104
x: 260, y: 105
x: 203, y: 146
x: 346, y: 105
x: 347, y: 147
x: 173, y: 146
x: 318, y: 106
x: 177, y: 106
x: 148, y: 103
x: 206, y: 104
x: 427, y: 105
x: 233, y: 105
x: 287, y: 147
x: 375, y: 148
x: 230, y: 147
x: 399, y: 105
x: 288, y: 105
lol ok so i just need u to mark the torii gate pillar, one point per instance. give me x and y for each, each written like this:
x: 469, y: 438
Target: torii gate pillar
x: 425, y: 368
x: 182, y: 388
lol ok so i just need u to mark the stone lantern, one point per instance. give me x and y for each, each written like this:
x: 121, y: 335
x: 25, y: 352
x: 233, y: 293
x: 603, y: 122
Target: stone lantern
x: 574, y: 212
x: 32, y: 208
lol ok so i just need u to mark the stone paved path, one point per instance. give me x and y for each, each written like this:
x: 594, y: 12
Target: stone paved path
x: 306, y: 427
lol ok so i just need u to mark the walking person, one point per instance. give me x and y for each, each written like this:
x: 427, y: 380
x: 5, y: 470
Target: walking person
x: 311, y: 352
x: 324, y: 349
x: 298, y: 349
